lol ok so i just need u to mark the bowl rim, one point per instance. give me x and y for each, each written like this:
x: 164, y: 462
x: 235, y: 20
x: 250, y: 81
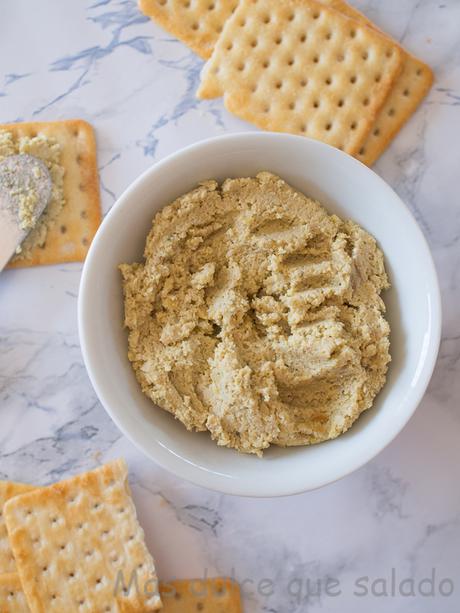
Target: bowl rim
x: 200, y: 477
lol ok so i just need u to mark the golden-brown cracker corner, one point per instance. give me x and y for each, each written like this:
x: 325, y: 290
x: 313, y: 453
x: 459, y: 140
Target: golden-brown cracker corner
x: 144, y: 6
x: 198, y: 43
x: 116, y: 468
x: 430, y: 77
x: 85, y: 126
x: 17, y: 501
x: 13, y: 488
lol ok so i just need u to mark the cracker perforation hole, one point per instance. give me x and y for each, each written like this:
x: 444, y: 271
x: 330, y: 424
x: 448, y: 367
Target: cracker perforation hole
x: 303, y: 38
x: 352, y: 33
x: 391, y: 112
x: 303, y: 82
x: 328, y: 126
x: 328, y: 35
x: 316, y: 15
x: 353, y: 79
x: 266, y: 19
x: 353, y: 125
x: 290, y: 61
x: 291, y: 16
x: 278, y: 40
x: 366, y: 102
x: 195, y: 26
x: 340, y: 57
x: 316, y: 59
x: 365, y: 55
x: 328, y: 81
x: 406, y: 92
x: 376, y: 131
x: 316, y: 104
x: 303, y: 128
x: 254, y: 43
x: 362, y: 151
x: 419, y: 72
x: 378, y: 78
x: 211, y: 6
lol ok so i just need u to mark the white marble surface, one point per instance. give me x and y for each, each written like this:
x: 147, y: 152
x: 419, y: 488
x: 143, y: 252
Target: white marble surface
x: 103, y: 61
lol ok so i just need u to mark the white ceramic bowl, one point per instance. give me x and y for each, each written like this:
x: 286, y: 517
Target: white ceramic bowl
x: 344, y: 186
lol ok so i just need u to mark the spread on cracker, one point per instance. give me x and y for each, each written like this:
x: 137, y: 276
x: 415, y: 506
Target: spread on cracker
x: 66, y: 228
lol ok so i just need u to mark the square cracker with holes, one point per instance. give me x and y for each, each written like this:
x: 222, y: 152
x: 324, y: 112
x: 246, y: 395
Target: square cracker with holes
x: 408, y: 91
x: 217, y: 595
x: 78, y: 545
x: 69, y: 237
x: 197, y: 23
x: 301, y: 67
x: 8, y: 490
x: 12, y: 598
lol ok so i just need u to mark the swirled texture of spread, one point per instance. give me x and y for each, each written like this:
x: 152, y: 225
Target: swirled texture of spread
x: 257, y: 315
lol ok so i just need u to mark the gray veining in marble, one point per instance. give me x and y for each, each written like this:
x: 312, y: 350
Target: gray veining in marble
x: 399, y: 515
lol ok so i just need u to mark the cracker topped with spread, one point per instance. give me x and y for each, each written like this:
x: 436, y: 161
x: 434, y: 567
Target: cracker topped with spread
x: 67, y: 150
x: 256, y: 315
